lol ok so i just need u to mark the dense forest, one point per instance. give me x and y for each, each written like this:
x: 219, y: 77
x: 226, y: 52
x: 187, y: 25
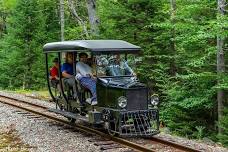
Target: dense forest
x: 184, y: 43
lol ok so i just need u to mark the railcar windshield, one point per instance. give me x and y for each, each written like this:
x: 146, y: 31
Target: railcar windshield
x: 113, y: 65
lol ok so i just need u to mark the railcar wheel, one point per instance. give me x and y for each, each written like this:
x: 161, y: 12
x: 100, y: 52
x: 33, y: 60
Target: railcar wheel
x: 61, y: 107
x: 111, y: 128
x: 110, y: 124
x: 72, y: 120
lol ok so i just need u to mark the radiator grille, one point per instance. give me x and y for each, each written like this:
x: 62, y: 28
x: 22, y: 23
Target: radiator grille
x: 137, y: 99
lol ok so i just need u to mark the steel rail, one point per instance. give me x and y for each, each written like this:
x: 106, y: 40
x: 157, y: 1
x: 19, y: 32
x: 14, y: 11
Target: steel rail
x: 121, y: 141
x: 175, y: 145
x: 22, y: 101
x: 82, y: 128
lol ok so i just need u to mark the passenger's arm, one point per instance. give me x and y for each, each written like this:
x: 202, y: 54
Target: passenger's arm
x: 78, y: 72
x: 66, y: 75
x: 64, y: 71
x: 92, y: 76
x: 93, y: 71
x: 56, y: 77
x: 128, y: 70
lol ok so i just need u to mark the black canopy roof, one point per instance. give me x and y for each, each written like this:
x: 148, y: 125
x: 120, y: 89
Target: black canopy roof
x: 95, y: 46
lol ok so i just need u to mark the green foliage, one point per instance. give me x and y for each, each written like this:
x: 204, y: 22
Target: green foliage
x: 130, y: 21
x: 8, y: 4
x: 22, y: 43
x: 179, y: 56
x: 191, y: 91
x: 178, y: 59
x: 21, y: 51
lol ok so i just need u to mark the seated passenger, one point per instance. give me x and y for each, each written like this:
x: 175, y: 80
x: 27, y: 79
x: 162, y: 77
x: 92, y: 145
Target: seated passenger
x: 67, y: 72
x: 85, y: 76
x: 54, y: 76
x: 118, y: 67
x: 102, y: 64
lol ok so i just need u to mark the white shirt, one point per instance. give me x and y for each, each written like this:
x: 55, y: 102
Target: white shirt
x: 83, y: 70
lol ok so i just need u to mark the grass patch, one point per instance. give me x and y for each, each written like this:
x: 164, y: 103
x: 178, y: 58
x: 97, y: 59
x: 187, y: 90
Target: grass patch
x: 43, y: 93
x: 39, y: 94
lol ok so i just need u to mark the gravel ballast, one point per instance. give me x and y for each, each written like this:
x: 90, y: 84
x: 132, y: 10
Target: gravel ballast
x: 41, y: 134
x: 45, y: 137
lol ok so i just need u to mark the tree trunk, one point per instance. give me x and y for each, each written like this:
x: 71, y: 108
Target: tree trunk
x: 93, y: 20
x: 3, y: 24
x: 62, y: 18
x: 173, y: 6
x: 220, y: 66
x: 77, y: 18
x: 173, y: 34
x: 24, y: 82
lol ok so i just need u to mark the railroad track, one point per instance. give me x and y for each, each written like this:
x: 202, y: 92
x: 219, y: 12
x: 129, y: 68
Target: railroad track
x: 105, y: 141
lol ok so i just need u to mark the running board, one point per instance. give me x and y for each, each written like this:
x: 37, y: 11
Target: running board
x: 69, y: 114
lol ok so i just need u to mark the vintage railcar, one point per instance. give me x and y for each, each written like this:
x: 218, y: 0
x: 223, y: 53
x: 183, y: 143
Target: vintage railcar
x: 124, y: 106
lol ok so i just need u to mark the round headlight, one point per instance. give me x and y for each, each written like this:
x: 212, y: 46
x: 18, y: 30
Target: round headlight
x: 154, y: 100
x: 122, y: 101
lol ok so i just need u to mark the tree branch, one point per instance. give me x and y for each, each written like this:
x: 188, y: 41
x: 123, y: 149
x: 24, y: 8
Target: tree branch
x: 71, y: 6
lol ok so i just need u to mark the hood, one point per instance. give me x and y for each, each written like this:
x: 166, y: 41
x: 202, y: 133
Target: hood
x: 121, y: 82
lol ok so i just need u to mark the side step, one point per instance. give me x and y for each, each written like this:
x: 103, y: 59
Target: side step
x: 69, y: 114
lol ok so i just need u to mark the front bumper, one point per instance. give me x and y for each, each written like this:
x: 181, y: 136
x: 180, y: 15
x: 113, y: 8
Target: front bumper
x: 143, y: 123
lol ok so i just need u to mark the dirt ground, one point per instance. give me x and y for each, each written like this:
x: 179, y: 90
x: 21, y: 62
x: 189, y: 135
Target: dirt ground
x: 10, y: 141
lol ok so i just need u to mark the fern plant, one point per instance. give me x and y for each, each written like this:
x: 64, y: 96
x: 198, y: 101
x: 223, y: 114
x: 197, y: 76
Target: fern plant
x: 200, y: 131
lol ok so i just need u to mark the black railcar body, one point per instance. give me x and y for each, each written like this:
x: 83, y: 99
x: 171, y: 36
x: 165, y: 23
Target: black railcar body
x: 124, y: 105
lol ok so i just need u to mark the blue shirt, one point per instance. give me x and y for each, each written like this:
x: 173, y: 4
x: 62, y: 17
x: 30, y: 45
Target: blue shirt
x: 67, y: 68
